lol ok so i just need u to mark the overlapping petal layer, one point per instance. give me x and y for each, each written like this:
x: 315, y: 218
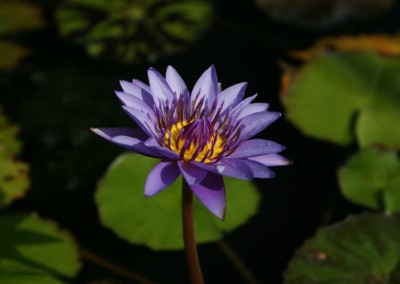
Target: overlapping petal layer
x: 203, y: 135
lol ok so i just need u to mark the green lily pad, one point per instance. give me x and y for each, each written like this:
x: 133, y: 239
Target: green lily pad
x: 14, y: 180
x: 156, y: 221
x: 29, y: 278
x: 362, y: 249
x: 372, y: 178
x: 32, y: 249
x: 339, y: 92
x: 133, y: 31
x: 19, y: 16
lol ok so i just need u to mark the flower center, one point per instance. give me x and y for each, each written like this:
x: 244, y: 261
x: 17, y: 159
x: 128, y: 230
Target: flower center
x: 195, y: 132
x: 195, y: 141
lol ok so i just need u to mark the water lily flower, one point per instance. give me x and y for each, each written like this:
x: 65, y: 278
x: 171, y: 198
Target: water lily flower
x: 202, y: 135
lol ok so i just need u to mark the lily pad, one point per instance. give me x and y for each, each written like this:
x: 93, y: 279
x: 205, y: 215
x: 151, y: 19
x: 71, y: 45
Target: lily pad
x: 156, y: 221
x: 372, y: 178
x: 35, y: 249
x: 389, y: 45
x: 362, y: 249
x: 338, y: 93
x: 14, y: 179
x: 8, y: 136
x: 133, y: 31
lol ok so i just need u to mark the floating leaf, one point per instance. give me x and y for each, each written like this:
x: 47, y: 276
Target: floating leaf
x: 133, y: 31
x: 8, y: 137
x: 28, y: 278
x: 362, y: 249
x: 156, y: 221
x: 32, y: 248
x: 335, y: 91
x: 384, y: 44
x: 14, y: 179
x: 372, y: 178
x: 19, y: 16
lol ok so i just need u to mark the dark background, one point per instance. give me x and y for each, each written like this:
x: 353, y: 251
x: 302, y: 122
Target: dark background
x: 58, y: 94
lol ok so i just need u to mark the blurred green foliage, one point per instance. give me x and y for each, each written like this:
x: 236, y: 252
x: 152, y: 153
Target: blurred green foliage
x: 133, y: 31
x: 33, y: 250
x: 372, y: 178
x: 14, y: 180
x: 16, y: 17
x: 156, y: 221
x: 362, y: 249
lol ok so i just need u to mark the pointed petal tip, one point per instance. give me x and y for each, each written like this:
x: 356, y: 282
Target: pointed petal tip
x: 220, y: 215
x: 95, y: 130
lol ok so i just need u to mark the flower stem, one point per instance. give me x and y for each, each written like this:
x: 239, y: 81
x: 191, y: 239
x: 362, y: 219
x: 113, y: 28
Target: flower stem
x: 188, y: 235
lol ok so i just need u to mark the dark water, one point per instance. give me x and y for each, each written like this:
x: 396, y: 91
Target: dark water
x: 58, y: 94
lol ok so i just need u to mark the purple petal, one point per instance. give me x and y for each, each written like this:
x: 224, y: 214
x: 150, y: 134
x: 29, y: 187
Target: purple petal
x: 211, y: 192
x: 231, y: 96
x: 259, y: 170
x: 141, y: 85
x: 160, y: 177
x: 165, y: 152
x: 129, y: 138
x: 159, y: 87
x: 206, y: 86
x: 137, y: 92
x: 253, y: 108
x: 256, y: 147
x: 142, y: 118
x: 235, y: 168
x: 272, y: 160
x: 133, y: 101
x: 256, y: 122
x: 191, y: 173
x: 242, y: 105
x: 176, y: 82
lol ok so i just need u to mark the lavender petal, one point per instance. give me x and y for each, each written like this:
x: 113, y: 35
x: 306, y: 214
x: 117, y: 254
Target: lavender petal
x: 211, y: 192
x: 206, y: 86
x: 165, y: 152
x: 253, y: 108
x: 141, y: 85
x: 162, y: 175
x: 191, y: 173
x: 133, y: 101
x: 176, y: 82
x: 272, y: 160
x: 138, y: 92
x: 159, y: 87
x: 231, y: 96
x: 259, y: 170
x: 128, y: 138
x: 256, y: 147
x: 235, y: 168
x: 256, y: 122
x: 142, y: 118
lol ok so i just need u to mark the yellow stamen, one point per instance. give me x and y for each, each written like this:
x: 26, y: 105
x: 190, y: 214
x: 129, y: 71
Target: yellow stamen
x: 211, y: 150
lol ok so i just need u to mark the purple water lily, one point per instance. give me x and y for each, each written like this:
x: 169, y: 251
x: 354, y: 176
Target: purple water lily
x: 203, y: 135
